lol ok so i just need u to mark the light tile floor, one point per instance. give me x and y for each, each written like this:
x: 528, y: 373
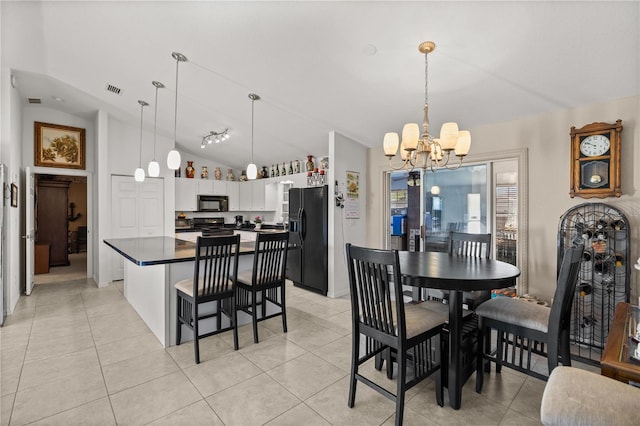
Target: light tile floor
x: 75, y: 354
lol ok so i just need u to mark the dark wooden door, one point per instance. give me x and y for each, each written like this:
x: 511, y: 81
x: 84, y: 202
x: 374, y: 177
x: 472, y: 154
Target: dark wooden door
x: 52, y: 221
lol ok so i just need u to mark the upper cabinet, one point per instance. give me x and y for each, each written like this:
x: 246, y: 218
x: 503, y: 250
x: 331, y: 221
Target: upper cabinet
x: 186, y: 191
x: 233, y: 191
x: 258, y: 195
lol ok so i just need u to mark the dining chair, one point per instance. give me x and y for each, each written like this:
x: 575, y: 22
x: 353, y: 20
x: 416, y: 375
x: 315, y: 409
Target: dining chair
x: 387, y: 324
x: 471, y: 245
x: 214, y: 280
x: 266, y: 279
x: 524, y: 327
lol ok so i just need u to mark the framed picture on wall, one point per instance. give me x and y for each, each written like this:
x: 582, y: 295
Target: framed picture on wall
x: 59, y: 146
x: 14, y: 195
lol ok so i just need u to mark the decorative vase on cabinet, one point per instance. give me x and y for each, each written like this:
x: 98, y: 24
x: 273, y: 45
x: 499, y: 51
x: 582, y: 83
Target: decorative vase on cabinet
x: 205, y: 173
x: 190, y: 171
x: 310, y: 165
x: 218, y: 173
x: 324, y: 163
x: 230, y: 176
x: 265, y: 172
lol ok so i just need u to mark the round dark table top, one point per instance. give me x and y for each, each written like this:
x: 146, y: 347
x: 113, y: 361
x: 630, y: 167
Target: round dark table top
x: 451, y: 272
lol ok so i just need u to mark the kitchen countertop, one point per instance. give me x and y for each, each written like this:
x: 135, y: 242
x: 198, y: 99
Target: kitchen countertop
x: 161, y: 250
x: 270, y: 228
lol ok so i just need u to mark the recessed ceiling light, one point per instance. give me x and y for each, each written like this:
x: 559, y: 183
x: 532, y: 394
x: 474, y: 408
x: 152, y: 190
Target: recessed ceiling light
x: 369, y: 50
x: 57, y: 99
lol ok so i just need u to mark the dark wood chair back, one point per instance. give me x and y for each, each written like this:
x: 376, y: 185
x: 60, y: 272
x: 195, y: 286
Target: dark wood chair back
x: 270, y: 259
x: 373, y: 276
x: 473, y: 245
x: 560, y: 315
x: 216, y: 266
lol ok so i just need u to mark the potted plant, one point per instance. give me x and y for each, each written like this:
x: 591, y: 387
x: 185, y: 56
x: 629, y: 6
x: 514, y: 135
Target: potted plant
x: 258, y: 222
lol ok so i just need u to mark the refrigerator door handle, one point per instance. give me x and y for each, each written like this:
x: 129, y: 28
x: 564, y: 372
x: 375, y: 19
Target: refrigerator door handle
x: 300, y: 224
x: 303, y: 222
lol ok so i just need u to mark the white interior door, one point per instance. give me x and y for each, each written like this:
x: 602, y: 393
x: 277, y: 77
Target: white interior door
x: 29, y: 236
x: 137, y: 210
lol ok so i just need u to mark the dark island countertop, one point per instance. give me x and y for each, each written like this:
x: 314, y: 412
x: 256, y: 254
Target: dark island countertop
x: 161, y: 250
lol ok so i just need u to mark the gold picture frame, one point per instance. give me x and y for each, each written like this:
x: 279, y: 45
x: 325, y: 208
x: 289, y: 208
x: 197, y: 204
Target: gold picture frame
x: 59, y: 146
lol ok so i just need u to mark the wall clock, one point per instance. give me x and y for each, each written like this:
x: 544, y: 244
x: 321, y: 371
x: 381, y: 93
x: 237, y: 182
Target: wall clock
x: 595, y: 160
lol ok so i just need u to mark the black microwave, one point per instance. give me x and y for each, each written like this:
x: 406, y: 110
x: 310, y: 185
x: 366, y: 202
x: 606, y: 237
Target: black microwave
x: 213, y: 203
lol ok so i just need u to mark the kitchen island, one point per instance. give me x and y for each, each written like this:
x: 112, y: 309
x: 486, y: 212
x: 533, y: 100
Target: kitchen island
x: 154, y: 265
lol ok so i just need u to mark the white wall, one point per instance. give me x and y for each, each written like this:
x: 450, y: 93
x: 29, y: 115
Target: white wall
x: 346, y: 155
x: 11, y: 156
x: 547, y: 138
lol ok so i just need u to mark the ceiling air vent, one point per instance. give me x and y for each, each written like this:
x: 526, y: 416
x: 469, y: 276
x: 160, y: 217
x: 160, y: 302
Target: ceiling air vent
x: 113, y: 89
x: 34, y: 100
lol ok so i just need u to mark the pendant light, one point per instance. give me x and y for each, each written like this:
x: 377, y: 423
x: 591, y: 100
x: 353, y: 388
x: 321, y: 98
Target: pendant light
x: 139, y: 173
x: 252, y: 170
x: 173, y: 159
x: 154, y: 167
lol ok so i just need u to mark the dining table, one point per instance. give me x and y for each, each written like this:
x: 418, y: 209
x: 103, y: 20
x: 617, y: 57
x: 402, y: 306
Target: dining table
x: 455, y: 274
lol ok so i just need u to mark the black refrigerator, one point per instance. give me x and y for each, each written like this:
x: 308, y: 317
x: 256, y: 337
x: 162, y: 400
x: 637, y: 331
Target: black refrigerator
x: 308, y: 234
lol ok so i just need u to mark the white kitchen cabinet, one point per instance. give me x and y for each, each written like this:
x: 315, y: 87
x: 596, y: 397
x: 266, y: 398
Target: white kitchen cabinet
x: 246, y: 196
x: 299, y: 180
x: 233, y: 192
x: 219, y: 187
x: 258, y: 195
x: 211, y: 187
x: 186, y: 195
x: 271, y: 196
x: 204, y: 187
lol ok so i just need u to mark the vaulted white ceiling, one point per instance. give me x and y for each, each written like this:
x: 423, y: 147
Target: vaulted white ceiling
x: 352, y: 67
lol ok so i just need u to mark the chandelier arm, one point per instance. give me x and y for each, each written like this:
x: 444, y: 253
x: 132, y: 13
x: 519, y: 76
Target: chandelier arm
x: 402, y: 165
x: 457, y: 166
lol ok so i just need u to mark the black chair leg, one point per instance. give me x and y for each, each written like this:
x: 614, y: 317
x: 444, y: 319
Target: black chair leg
x: 401, y: 387
x: 254, y: 316
x: 480, y: 357
x: 439, y: 389
x: 355, y: 353
x: 234, y: 318
x: 284, y: 310
x: 499, y: 342
x: 196, y: 346
x: 178, y: 322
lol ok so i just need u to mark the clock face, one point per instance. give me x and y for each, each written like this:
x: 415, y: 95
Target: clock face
x: 594, y: 145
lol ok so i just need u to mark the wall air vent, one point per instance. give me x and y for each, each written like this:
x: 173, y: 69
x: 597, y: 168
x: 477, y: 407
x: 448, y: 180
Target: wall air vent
x: 34, y: 100
x: 113, y: 89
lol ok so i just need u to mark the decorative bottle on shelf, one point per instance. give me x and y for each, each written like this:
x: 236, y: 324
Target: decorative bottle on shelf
x: 230, y: 176
x: 290, y: 167
x: 265, y: 172
x: 296, y: 166
x: 218, y: 173
x: 177, y: 172
x: 190, y: 171
x: 205, y: 173
x: 273, y: 171
x: 284, y: 169
x: 310, y: 165
x: 277, y: 170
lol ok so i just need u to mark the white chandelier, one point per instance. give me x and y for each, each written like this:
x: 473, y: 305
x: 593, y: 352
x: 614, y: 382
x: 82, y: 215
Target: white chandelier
x: 427, y: 152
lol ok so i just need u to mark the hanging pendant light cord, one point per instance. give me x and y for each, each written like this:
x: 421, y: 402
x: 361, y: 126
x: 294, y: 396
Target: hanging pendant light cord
x: 175, y: 116
x: 252, y: 102
x: 155, y: 122
x: 142, y: 105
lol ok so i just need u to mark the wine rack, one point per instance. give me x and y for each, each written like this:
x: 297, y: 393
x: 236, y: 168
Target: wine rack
x: 604, y: 278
